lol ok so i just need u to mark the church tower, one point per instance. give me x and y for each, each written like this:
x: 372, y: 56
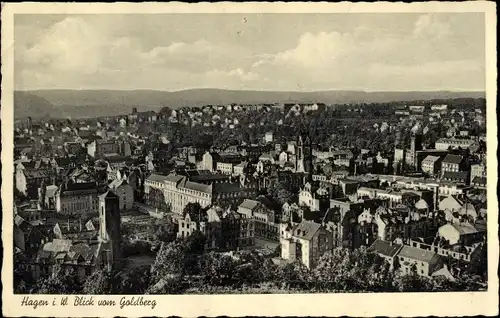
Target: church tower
x: 109, y: 227
x: 304, y: 162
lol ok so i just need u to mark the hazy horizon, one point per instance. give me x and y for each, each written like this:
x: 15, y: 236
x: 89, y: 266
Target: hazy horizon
x: 371, y: 52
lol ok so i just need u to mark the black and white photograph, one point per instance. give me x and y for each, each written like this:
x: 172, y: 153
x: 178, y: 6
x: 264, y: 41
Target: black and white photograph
x: 250, y: 153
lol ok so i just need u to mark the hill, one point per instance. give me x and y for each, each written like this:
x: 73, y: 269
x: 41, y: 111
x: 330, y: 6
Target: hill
x: 27, y: 104
x: 82, y: 103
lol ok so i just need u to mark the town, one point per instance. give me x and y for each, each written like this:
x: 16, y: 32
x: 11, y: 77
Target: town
x: 261, y: 198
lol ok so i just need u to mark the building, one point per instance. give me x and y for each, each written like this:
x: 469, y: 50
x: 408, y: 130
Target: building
x: 268, y: 137
x: 442, y: 107
x: 110, y: 227
x: 304, y: 155
x: 305, y: 243
x: 431, y: 165
x: 27, y: 237
x: 453, y: 143
x: 416, y: 109
x: 84, y: 256
x: 125, y: 193
x: 422, y: 261
x: 101, y: 147
x: 176, y: 191
x: 29, y: 176
x: 477, y: 170
x: 264, y: 225
x: 415, y: 145
x: 388, y: 250
x: 452, y: 163
x: 77, y: 198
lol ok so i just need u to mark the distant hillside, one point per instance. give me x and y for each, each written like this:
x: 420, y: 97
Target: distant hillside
x: 27, y: 104
x: 84, y: 103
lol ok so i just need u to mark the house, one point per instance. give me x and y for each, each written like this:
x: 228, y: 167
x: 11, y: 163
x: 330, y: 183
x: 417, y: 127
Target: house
x: 457, y: 177
x: 452, y: 203
x: 452, y: 163
x: 446, y: 143
x: 431, y: 164
x: 77, y: 198
x: 477, y: 170
x: 125, y: 193
x: 388, y: 250
x: 83, y: 257
x: 464, y: 233
x: 424, y: 262
x: 479, y: 182
x: 306, y: 243
x: 27, y: 237
x: 29, y: 176
x: 263, y: 219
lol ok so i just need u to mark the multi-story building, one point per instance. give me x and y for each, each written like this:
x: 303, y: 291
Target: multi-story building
x: 415, y: 145
x: 422, y: 261
x: 77, y: 198
x: 477, y: 170
x: 176, y: 191
x: 125, y: 193
x: 100, y: 147
x: 452, y: 163
x: 305, y: 243
x: 431, y: 164
x: 264, y: 225
x: 446, y: 143
x: 84, y: 256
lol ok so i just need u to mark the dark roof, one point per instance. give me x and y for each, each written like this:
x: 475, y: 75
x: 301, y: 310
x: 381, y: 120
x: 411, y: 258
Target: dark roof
x: 479, y: 180
x: 419, y: 254
x: 79, y: 186
x: 306, y: 230
x: 452, y: 159
x: 385, y: 248
x: 454, y: 175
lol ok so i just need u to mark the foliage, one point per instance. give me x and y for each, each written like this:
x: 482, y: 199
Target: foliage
x: 62, y: 281
x: 280, y: 192
x: 99, y: 282
x: 193, y: 208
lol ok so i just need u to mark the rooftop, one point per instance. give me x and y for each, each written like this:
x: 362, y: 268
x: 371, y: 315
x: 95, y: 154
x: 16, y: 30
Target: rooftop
x: 452, y: 159
x: 418, y: 254
x: 306, y: 230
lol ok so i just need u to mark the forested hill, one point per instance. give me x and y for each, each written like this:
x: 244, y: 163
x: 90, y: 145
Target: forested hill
x: 82, y: 103
x: 27, y: 104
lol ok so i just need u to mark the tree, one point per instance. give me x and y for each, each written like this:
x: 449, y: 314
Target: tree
x: 134, y: 281
x: 281, y: 193
x: 193, y: 208
x: 62, y: 281
x: 99, y: 282
x: 169, y: 261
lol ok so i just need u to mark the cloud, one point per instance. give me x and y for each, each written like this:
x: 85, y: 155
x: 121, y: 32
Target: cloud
x: 432, y: 27
x: 362, y: 58
x: 104, y: 52
x: 70, y: 45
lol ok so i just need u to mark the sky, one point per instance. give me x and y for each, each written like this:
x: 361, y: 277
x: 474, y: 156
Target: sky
x: 285, y: 52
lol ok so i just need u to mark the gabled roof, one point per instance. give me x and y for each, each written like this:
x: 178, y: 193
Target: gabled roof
x: 452, y: 159
x: 306, y: 230
x: 465, y: 228
x: 430, y: 158
x: 419, y: 254
x: 385, y: 248
x: 249, y: 204
x: 159, y: 178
